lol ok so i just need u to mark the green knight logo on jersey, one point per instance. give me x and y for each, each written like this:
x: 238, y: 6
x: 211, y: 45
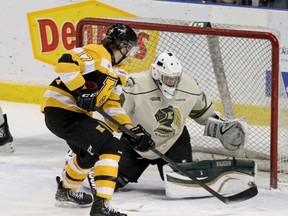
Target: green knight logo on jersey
x: 167, y: 118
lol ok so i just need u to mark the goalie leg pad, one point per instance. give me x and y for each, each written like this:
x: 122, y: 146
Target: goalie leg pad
x: 224, y: 176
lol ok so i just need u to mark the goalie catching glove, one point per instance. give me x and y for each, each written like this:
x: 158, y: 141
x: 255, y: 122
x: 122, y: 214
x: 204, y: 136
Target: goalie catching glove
x: 143, y: 142
x: 231, y: 133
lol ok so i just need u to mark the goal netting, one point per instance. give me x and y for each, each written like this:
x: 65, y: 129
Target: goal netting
x: 237, y: 66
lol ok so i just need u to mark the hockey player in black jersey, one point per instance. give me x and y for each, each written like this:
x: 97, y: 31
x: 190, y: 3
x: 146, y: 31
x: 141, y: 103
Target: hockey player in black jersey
x: 91, y: 76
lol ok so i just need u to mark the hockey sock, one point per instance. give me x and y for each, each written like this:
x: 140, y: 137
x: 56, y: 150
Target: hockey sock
x: 105, y: 173
x: 74, y: 175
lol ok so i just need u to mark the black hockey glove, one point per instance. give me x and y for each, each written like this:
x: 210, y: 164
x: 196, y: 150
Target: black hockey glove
x: 143, y: 143
x: 87, y: 99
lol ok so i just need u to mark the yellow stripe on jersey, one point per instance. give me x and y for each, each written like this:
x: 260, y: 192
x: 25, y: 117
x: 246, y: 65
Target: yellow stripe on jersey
x: 52, y: 102
x: 101, y: 57
x: 73, y: 80
x: 115, y: 96
x: 56, y: 97
x: 125, y: 119
x: 121, y: 74
x: 114, y: 109
x: 118, y: 91
x: 60, y: 91
x: 66, y: 67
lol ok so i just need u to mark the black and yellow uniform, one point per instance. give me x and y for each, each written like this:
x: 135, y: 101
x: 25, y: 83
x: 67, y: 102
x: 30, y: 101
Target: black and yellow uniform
x: 91, y: 139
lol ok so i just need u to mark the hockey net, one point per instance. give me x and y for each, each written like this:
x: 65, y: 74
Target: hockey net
x: 237, y: 66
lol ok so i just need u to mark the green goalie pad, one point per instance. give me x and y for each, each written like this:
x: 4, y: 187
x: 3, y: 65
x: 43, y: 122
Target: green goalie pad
x: 223, y: 176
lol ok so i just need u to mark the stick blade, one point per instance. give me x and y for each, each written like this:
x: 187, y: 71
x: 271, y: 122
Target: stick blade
x: 242, y: 196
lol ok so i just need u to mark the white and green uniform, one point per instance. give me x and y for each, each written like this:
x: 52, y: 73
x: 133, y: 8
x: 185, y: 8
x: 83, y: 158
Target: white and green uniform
x: 164, y: 119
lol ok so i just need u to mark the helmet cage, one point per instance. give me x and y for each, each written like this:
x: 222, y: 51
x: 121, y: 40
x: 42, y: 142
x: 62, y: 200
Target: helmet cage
x: 166, y: 66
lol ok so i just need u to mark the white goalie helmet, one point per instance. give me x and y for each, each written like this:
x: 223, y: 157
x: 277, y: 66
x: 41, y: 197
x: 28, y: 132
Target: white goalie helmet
x: 166, y: 72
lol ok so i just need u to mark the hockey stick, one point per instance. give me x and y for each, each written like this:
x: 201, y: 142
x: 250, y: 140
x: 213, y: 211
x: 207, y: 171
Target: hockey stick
x: 92, y: 186
x: 244, y: 195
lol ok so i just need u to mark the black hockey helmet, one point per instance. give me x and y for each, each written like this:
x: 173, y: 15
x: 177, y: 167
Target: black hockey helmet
x: 120, y: 36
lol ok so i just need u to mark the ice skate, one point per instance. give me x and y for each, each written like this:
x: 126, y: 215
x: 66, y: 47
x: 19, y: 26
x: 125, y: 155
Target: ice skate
x: 102, y: 207
x: 5, y: 137
x: 68, y: 198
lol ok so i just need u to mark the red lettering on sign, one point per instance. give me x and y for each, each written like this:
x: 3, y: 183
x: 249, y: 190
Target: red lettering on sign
x: 142, y: 47
x: 68, y: 35
x: 46, y: 25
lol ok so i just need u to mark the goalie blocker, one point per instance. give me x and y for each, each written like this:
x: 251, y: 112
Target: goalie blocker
x: 224, y: 176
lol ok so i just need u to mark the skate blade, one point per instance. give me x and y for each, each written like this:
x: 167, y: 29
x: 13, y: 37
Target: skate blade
x: 66, y: 204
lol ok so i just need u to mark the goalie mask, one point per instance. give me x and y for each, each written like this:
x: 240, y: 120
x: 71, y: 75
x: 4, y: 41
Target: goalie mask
x: 120, y: 37
x: 166, y: 72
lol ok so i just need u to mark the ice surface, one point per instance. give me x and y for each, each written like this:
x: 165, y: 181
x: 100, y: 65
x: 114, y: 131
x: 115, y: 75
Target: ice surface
x: 27, y: 179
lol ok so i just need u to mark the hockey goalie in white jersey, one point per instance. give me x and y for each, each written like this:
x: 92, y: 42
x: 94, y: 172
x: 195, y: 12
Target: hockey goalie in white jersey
x: 161, y: 100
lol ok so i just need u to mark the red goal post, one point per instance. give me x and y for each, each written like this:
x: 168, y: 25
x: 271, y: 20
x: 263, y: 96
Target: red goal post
x: 237, y: 66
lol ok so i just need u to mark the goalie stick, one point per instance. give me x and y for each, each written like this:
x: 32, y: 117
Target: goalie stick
x: 241, y: 196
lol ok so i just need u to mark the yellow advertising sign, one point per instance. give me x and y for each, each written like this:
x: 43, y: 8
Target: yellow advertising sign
x: 147, y: 43
x: 53, y: 30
